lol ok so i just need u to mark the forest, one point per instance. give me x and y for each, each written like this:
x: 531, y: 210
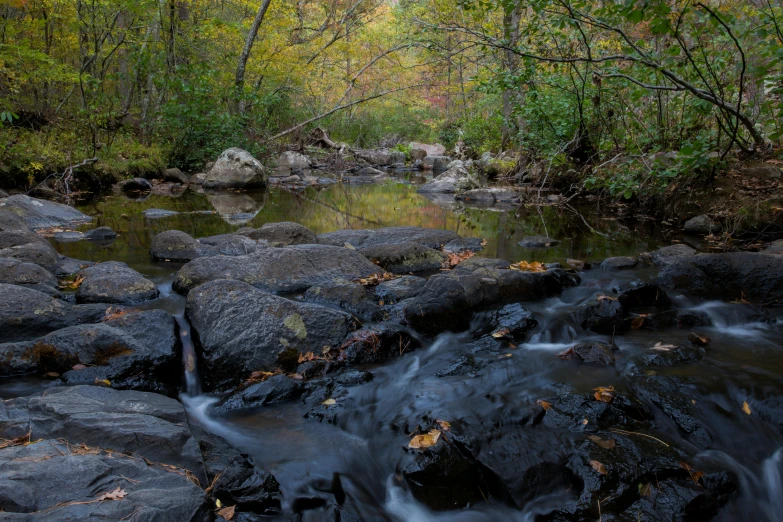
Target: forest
x: 630, y: 96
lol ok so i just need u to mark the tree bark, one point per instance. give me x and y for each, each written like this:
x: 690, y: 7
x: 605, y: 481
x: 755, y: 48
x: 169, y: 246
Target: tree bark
x: 239, y: 80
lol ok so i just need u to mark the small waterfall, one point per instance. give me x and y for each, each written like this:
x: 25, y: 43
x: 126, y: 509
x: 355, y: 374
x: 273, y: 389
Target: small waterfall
x: 192, y: 384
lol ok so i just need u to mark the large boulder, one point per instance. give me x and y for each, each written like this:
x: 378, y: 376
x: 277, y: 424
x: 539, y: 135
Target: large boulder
x: 173, y: 245
x: 16, y: 272
x: 37, y: 251
x: 140, y: 423
x: 27, y: 314
x: 176, y: 176
x: 236, y: 168
x: 428, y: 150
x: 57, y: 481
x: 669, y: 254
x: 347, y: 295
x: 604, y: 315
x: 114, y: 283
x: 134, y: 186
x: 227, y: 245
x: 701, y: 225
x: 293, y: 161
x: 755, y: 277
x: 138, y: 351
x: 378, y: 158
x: 436, y: 163
x: 239, y: 329
x: 291, y: 269
x: 404, y: 258
x: 283, y: 234
x: 454, y: 180
x: 38, y: 213
x: 429, y: 237
x: 390, y: 292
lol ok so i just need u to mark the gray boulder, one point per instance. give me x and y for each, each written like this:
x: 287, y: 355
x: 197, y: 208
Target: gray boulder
x: 135, y: 185
x: 114, y: 283
x: 236, y: 168
x: 174, y: 245
x: 37, y: 251
x: 390, y: 292
x: 140, y: 423
x: 227, y: 245
x: 26, y: 313
x: 404, y: 258
x: 16, y: 272
x: 100, y: 234
x: 669, y: 254
x: 776, y: 247
x: 428, y: 150
x: 198, y: 178
x: 283, y: 234
x: 619, y: 263
x: 347, y: 295
x: 437, y: 163
x: 701, y: 225
x: 290, y: 269
x: 38, y: 213
x: 378, y: 158
x: 275, y: 389
x: 240, y: 329
x: 176, y: 176
x: 755, y: 277
x: 538, y: 242
x: 454, y: 180
x: 59, y: 481
x: 489, y: 195
x: 293, y: 161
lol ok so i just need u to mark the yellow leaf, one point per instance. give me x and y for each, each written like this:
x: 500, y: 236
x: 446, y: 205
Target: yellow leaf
x: 102, y: 381
x: 604, y: 393
x: 501, y: 333
x: 544, y: 404
x: 218, y: 503
x: 746, y: 408
x: 329, y: 402
x: 600, y: 468
x: 445, y: 426
x: 426, y: 440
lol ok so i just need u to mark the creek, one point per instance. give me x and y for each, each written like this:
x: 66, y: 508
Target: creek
x: 488, y: 398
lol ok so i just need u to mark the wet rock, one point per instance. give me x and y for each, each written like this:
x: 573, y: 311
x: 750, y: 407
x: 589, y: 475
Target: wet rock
x: 198, y: 178
x: 114, y: 283
x: 283, y: 234
x: 448, y: 476
x: 275, y: 389
x: 26, y: 313
x: 68, y: 237
x: 291, y: 269
x: 756, y: 277
x: 227, y: 245
x: 448, y: 300
x: 100, y: 234
x: 404, y: 258
x: 429, y: 237
x: 670, y: 355
x: 489, y: 195
x: 236, y: 168
x: 174, y: 245
x: 436, y: 163
x: 378, y: 158
x: 595, y: 352
x: 776, y: 247
x: 454, y: 180
x: 374, y: 344
x: 135, y: 185
x: 619, y: 263
x: 639, y: 294
x: 603, y: 316
x: 55, y: 481
x: 350, y: 296
x: 249, y: 489
x: 158, y: 213
x: 513, y: 322
x: 538, y: 242
x: 475, y: 263
x: 38, y: 213
x: 175, y: 175
x: 672, y: 397
x: 690, y: 319
x: 239, y: 329
x: 68, y: 267
x: 701, y: 225
x: 669, y: 254
x: 460, y: 245
x: 396, y: 290
x: 16, y: 272
x: 38, y: 251
x: 293, y: 161
x: 464, y: 365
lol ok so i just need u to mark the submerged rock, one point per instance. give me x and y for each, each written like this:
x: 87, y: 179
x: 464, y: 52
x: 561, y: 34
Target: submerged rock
x: 291, y: 269
x: 236, y: 168
x: 538, y: 242
x: 756, y: 277
x: 240, y: 329
x: 114, y: 283
x: 489, y: 195
x: 38, y: 213
x: 100, y: 234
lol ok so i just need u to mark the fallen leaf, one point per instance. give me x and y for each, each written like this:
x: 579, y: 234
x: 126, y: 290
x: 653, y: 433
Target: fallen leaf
x: 664, y: 347
x: 645, y: 490
x: 227, y: 512
x: 375, y: 279
x: 454, y: 259
x: 78, y: 367
x: 501, y: 333
x: 102, y: 381
x: 349, y: 246
x: 604, y: 443
x: 525, y: 266
x: 425, y: 440
x: 604, y: 297
x: 444, y: 425
x: 746, y: 408
x: 600, y: 468
x: 24, y: 440
x: 567, y: 355
x: 218, y: 503
x: 544, y: 404
x: 71, y: 285
x: 604, y: 393
x: 116, y: 494
x: 699, y: 339
x: 584, y: 422
x: 695, y: 475
x: 329, y: 402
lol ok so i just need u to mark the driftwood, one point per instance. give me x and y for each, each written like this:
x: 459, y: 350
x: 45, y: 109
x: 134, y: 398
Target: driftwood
x: 62, y: 180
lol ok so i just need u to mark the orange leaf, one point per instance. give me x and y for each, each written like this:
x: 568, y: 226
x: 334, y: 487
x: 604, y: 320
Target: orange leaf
x: 227, y: 512
x: 544, y: 404
x: 746, y: 408
x: 425, y: 440
x: 604, y: 443
x: 600, y: 468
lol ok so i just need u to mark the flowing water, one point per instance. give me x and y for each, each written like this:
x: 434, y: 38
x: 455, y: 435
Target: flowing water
x: 363, y: 445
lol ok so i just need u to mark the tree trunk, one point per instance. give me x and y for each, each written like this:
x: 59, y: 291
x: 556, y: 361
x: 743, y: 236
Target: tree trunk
x: 511, y: 64
x: 239, y: 81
